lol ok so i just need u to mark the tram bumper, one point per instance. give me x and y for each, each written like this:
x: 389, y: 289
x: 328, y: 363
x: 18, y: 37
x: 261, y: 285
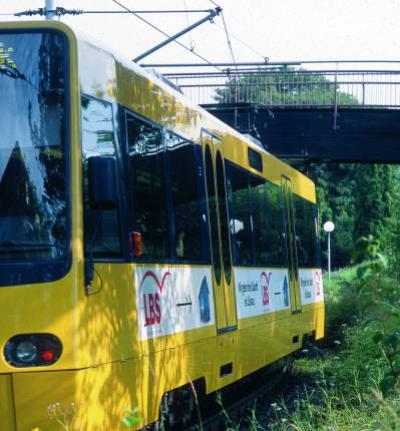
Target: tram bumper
x: 7, y: 409
x: 89, y: 399
x: 43, y: 398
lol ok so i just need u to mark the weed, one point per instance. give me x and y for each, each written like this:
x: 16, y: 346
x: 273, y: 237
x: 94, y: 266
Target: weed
x: 132, y: 419
x: 342, y: 390
x: 230, y: 425
x: 62, y: 414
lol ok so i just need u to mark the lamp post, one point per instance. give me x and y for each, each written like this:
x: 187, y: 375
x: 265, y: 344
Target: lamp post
x: 50, y: 9
x: 328, y: 228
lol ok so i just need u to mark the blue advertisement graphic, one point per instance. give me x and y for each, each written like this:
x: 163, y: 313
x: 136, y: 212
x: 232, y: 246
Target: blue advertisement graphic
x: 204, y: 301
x: 285, y: 290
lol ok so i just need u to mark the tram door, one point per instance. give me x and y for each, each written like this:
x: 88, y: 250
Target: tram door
x: 291, y: 243
x: 223, y: 283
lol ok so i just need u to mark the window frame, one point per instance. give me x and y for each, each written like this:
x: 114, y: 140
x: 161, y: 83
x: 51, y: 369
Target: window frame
x: 200, y: 185
x: 36, y: 271
x: 120, y: 173
x: 229, y: 165
x: 315, y: 241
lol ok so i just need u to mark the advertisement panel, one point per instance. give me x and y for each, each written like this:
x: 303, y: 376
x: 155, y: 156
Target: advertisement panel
x: 260, y: 291
x: 311, y: 286
x: 173, y: 300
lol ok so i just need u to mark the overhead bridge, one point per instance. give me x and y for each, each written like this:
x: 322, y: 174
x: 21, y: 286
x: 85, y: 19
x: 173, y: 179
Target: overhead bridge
x: 349, y: 112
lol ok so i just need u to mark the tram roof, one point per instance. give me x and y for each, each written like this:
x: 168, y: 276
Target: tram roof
x: 83, y: 37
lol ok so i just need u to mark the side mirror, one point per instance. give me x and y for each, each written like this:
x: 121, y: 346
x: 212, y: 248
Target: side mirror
x: 102, y: 182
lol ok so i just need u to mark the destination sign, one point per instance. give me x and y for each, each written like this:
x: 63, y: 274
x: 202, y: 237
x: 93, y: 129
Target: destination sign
x: 6, y: 56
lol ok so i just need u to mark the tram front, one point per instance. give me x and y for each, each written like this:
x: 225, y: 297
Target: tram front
x: 38, y: 287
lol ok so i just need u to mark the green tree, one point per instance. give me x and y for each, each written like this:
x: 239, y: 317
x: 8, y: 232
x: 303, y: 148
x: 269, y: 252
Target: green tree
x: 335, y: 184
x: 283, y: 86
x: 360, y: 199
x: 374, y: 202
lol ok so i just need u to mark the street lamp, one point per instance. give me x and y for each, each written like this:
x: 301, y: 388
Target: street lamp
x: 328, y: 228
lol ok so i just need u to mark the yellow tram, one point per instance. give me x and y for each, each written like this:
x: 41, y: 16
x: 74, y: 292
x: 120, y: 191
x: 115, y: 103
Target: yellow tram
x: 144, y: 245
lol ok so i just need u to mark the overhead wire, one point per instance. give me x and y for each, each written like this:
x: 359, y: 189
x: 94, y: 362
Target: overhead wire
x: 164, y: 33
x: 215, y: 4
x: 228, y: 40
x: 146, y: 11
x: 235, y: 37
x: 191, y: 41
x: 233, y: 80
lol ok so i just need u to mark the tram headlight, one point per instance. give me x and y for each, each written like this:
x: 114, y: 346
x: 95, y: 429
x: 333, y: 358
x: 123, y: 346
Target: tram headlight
x: 32, y: 350
x: 26, y: 352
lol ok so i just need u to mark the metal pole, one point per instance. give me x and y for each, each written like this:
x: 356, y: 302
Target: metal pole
x: 50, y: 9
x: 209, y: 17
x: 335, y: 107
x: 329, y: 255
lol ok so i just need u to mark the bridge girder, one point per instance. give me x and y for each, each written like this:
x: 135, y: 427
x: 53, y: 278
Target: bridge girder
x: 347, y: 135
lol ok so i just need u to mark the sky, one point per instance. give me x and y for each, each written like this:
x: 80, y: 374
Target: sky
x: 282, y: 30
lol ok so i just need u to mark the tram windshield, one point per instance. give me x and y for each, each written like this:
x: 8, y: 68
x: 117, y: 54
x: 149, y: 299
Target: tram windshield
x: 33, y: 174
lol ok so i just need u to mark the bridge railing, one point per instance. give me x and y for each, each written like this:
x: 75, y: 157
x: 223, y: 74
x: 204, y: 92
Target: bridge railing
x: 291, y: 87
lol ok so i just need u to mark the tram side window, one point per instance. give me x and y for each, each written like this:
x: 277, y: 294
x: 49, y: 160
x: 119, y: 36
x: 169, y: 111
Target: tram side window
x: 260, y: 217
x: 185, y: 198
x: 240, y: 218
x: 146, y: 159
x: 255, y: 219
x: 101, y: 227
x: 276, y: 252
x: 306, y: 232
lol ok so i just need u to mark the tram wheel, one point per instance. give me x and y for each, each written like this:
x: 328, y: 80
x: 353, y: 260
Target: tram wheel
x: 178, y: 409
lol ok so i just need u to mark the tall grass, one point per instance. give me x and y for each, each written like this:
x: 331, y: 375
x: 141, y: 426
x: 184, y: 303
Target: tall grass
x: 341, y: 389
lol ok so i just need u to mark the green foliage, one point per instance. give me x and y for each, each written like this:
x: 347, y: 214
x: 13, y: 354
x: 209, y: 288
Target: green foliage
x: 374, y: 200
x: 392, y: 246
x: 373, y: 265
x: 284, y: 85
x: 132, y: 418
x: 354, y: 385
x: 360, y: 200
x: 341, y: 301
x: 379, y: 298
x: 342, y: 390
x: 230, y: 424
x: 336, y: 188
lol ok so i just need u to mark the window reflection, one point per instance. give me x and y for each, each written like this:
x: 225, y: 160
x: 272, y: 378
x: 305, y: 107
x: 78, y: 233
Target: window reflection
x: 255, y: 219
x: 240, y: 224
x: 185, y: 198
x: 101, y: 227
x: 150, y: 235
x: 306, y: 232
x: 33, y: 208
x: 166, y: 221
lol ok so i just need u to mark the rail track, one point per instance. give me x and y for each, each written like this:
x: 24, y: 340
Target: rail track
x: 235, y: 411
x: 189, y: 411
